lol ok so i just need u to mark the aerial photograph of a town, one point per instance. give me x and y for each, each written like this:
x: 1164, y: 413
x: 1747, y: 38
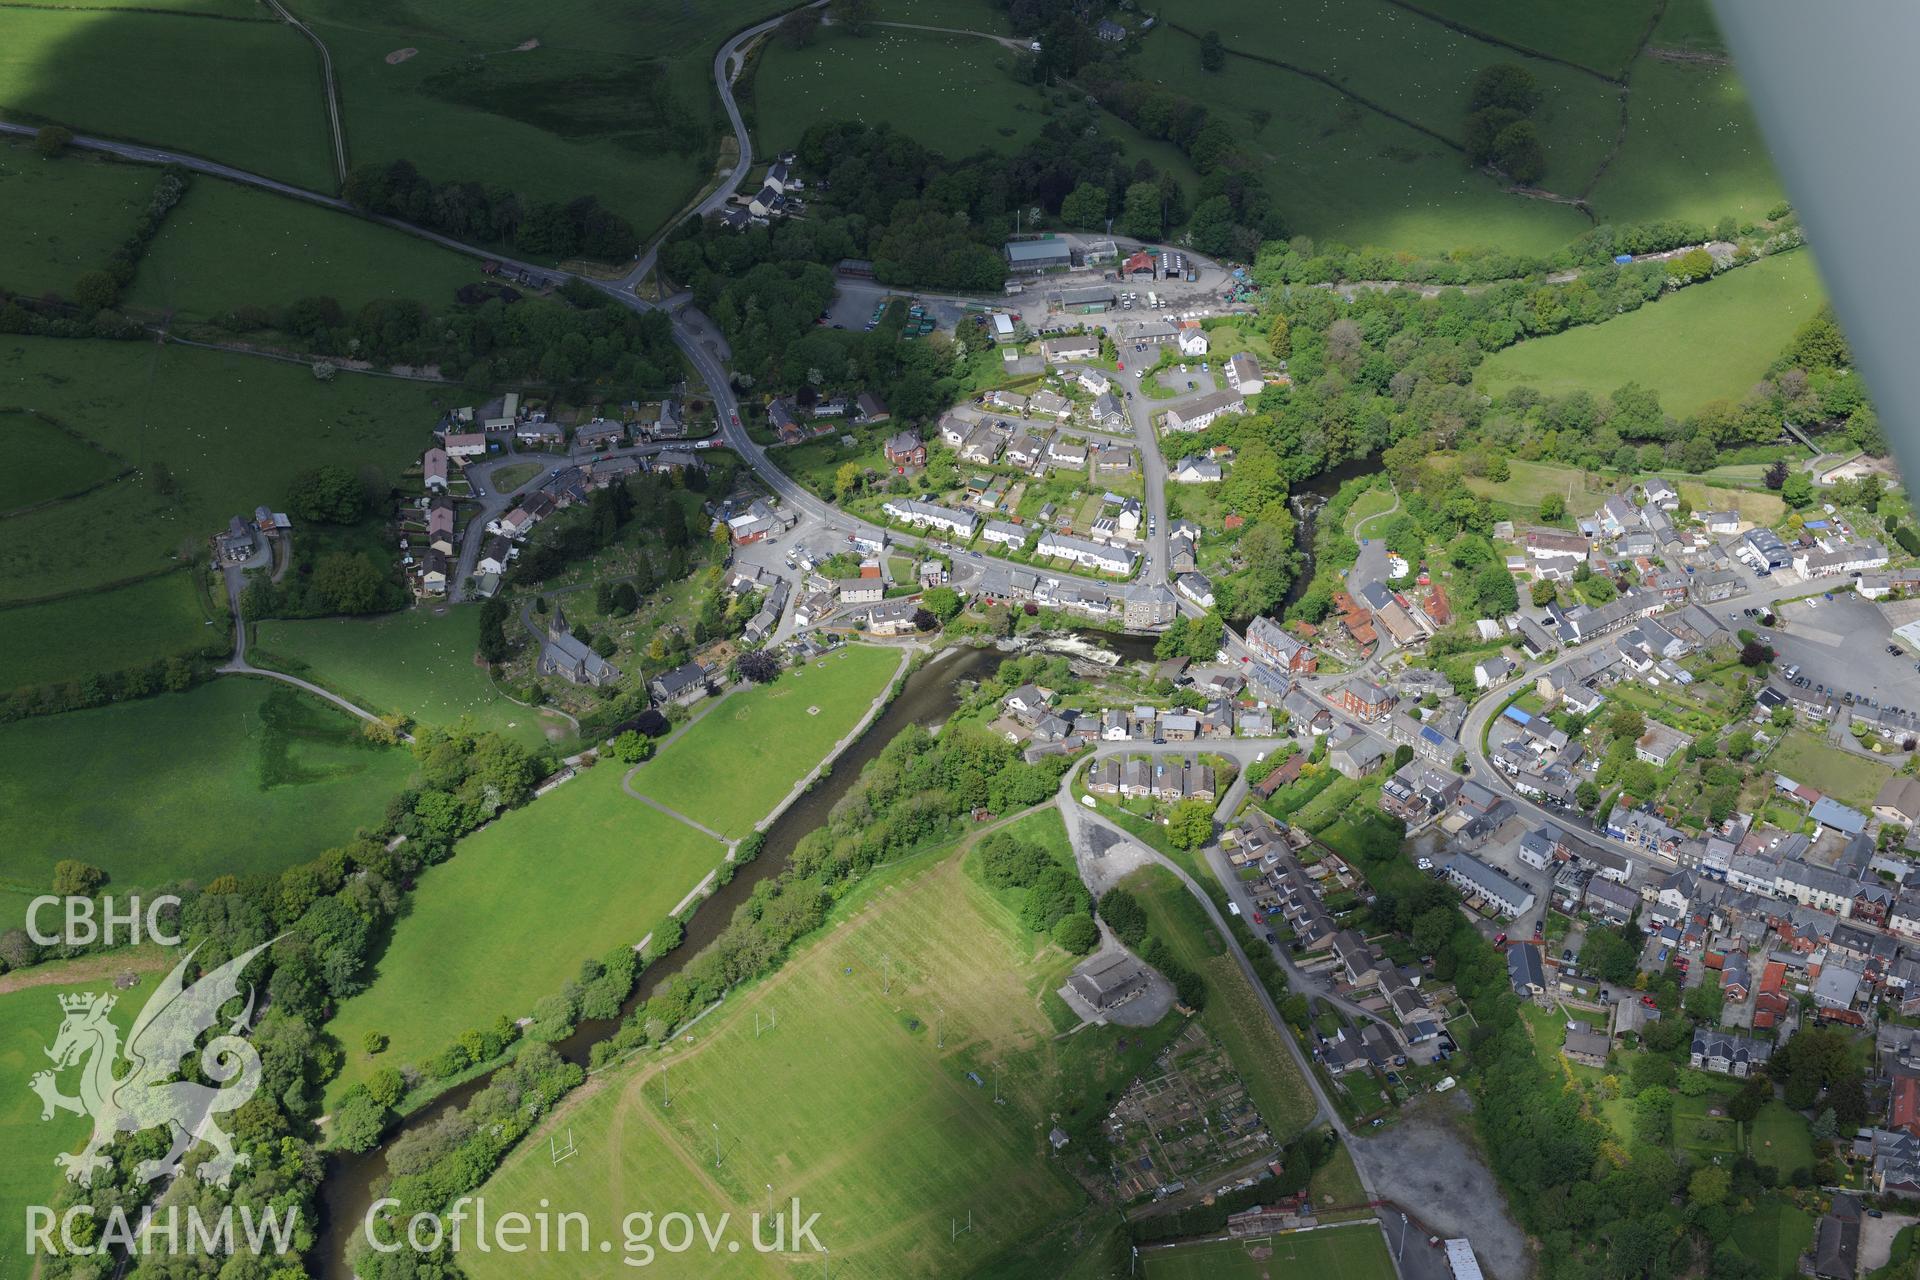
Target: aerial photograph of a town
x: 921, y: 639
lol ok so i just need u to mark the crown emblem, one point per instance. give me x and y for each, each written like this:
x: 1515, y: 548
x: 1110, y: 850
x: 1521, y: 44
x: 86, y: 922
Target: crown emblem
x: 81, y: 1002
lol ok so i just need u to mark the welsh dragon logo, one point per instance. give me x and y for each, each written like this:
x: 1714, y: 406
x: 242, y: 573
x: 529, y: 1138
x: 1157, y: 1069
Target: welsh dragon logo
x: 150, y: 1095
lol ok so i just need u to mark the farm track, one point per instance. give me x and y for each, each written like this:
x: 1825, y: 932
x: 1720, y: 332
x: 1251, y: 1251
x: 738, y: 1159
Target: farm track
x: 328, y: 82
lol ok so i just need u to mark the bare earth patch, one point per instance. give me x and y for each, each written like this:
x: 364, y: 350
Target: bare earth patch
x: 526, y: 46
x: 399, y: 56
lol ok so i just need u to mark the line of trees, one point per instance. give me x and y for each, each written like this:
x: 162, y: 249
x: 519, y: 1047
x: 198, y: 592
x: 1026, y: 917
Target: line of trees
x: 491, y: 214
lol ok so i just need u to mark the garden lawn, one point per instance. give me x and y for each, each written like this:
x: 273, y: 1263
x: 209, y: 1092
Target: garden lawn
x: 419, y: 663
x: 244, y: 93
x: 226, y: 246
x: 1344, y: 1253
x: 1779, y: 1137
x: 955, y: 94
x: 740, y: 758
x: 1234, y: 1015
x: 98, y: 632
x: 212, y: 433
x: 1708, y: 342
x: 29, y: 1020
x: 242, y: 776
x: 1373, y: 503
x: 836, y: 1090
x: 508, y: 919
x: 1773, y: 1236
x: 82, y: 208
x: 1848, y: 778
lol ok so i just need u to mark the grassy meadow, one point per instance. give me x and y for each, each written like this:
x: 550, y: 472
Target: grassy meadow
x: 1345, y: 173
x: 729, y: 769
x: 1708, y: 342
x: 246, y: 93
x: 1602, y: 37
x: 419, y: 663
x: 102, y: 631
x: 952, y: 93
x: 234, y: 776
x: 507, y: 920
x: 63, y: 463
x: 213, y: 434
x: 1347, y: 1253
x: 82, y: 209
x: 890, y: 1139
x: 227, y: 245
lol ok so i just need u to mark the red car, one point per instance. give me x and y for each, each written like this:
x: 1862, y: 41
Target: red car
x: 1499, y: 939
x: 1648, y: 1001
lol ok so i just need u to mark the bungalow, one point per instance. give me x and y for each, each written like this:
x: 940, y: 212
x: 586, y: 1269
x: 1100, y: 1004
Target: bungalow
x: 1202, y: 412
x: 870, y: 408
x: 1660, y: 744
x: 1721, y: 522
x: 1587, y: 1046
x: 684, y: 685
x: 1194, y: 469
x: 1049, y: 405
x: 1195, y: 587
x: 433, y: 468
x: 1068, y: 455
x: 982, y: 445
x: 1065, y: 350
x: 1899, y: 801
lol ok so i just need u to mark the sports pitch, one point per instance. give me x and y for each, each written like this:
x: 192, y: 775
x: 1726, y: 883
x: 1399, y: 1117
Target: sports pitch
x: 849, y: 1103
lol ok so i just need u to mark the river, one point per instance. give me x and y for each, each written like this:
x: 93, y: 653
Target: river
x: 928, y: 697
x: 1306, y: 501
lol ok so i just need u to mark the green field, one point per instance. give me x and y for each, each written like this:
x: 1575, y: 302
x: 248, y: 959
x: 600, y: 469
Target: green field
x: 952, y: 93
x: 615, y: 101
x: 1344, y: 1253
x: 1773, y: 1235
x: 82, y: 209
x: 247, y: 93
x: 1413, y: 67
x: 509, y: 918
x: 236, y: 776
x: 1367, y: 517
x: 1847, y: 777
x: 63, y: 463
x: 734, y: 764
x: 213, y: 434
x: 29, y: 1019
x: 1712, y: 341
x: 228, y: 245
x: 1234, y: 1014
x: 1693, y: 150
x: 1604, y: 37
x: 1345, y: 173
x: 419, y: 663
x: 98, y: 632
x: 848, y: 1103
